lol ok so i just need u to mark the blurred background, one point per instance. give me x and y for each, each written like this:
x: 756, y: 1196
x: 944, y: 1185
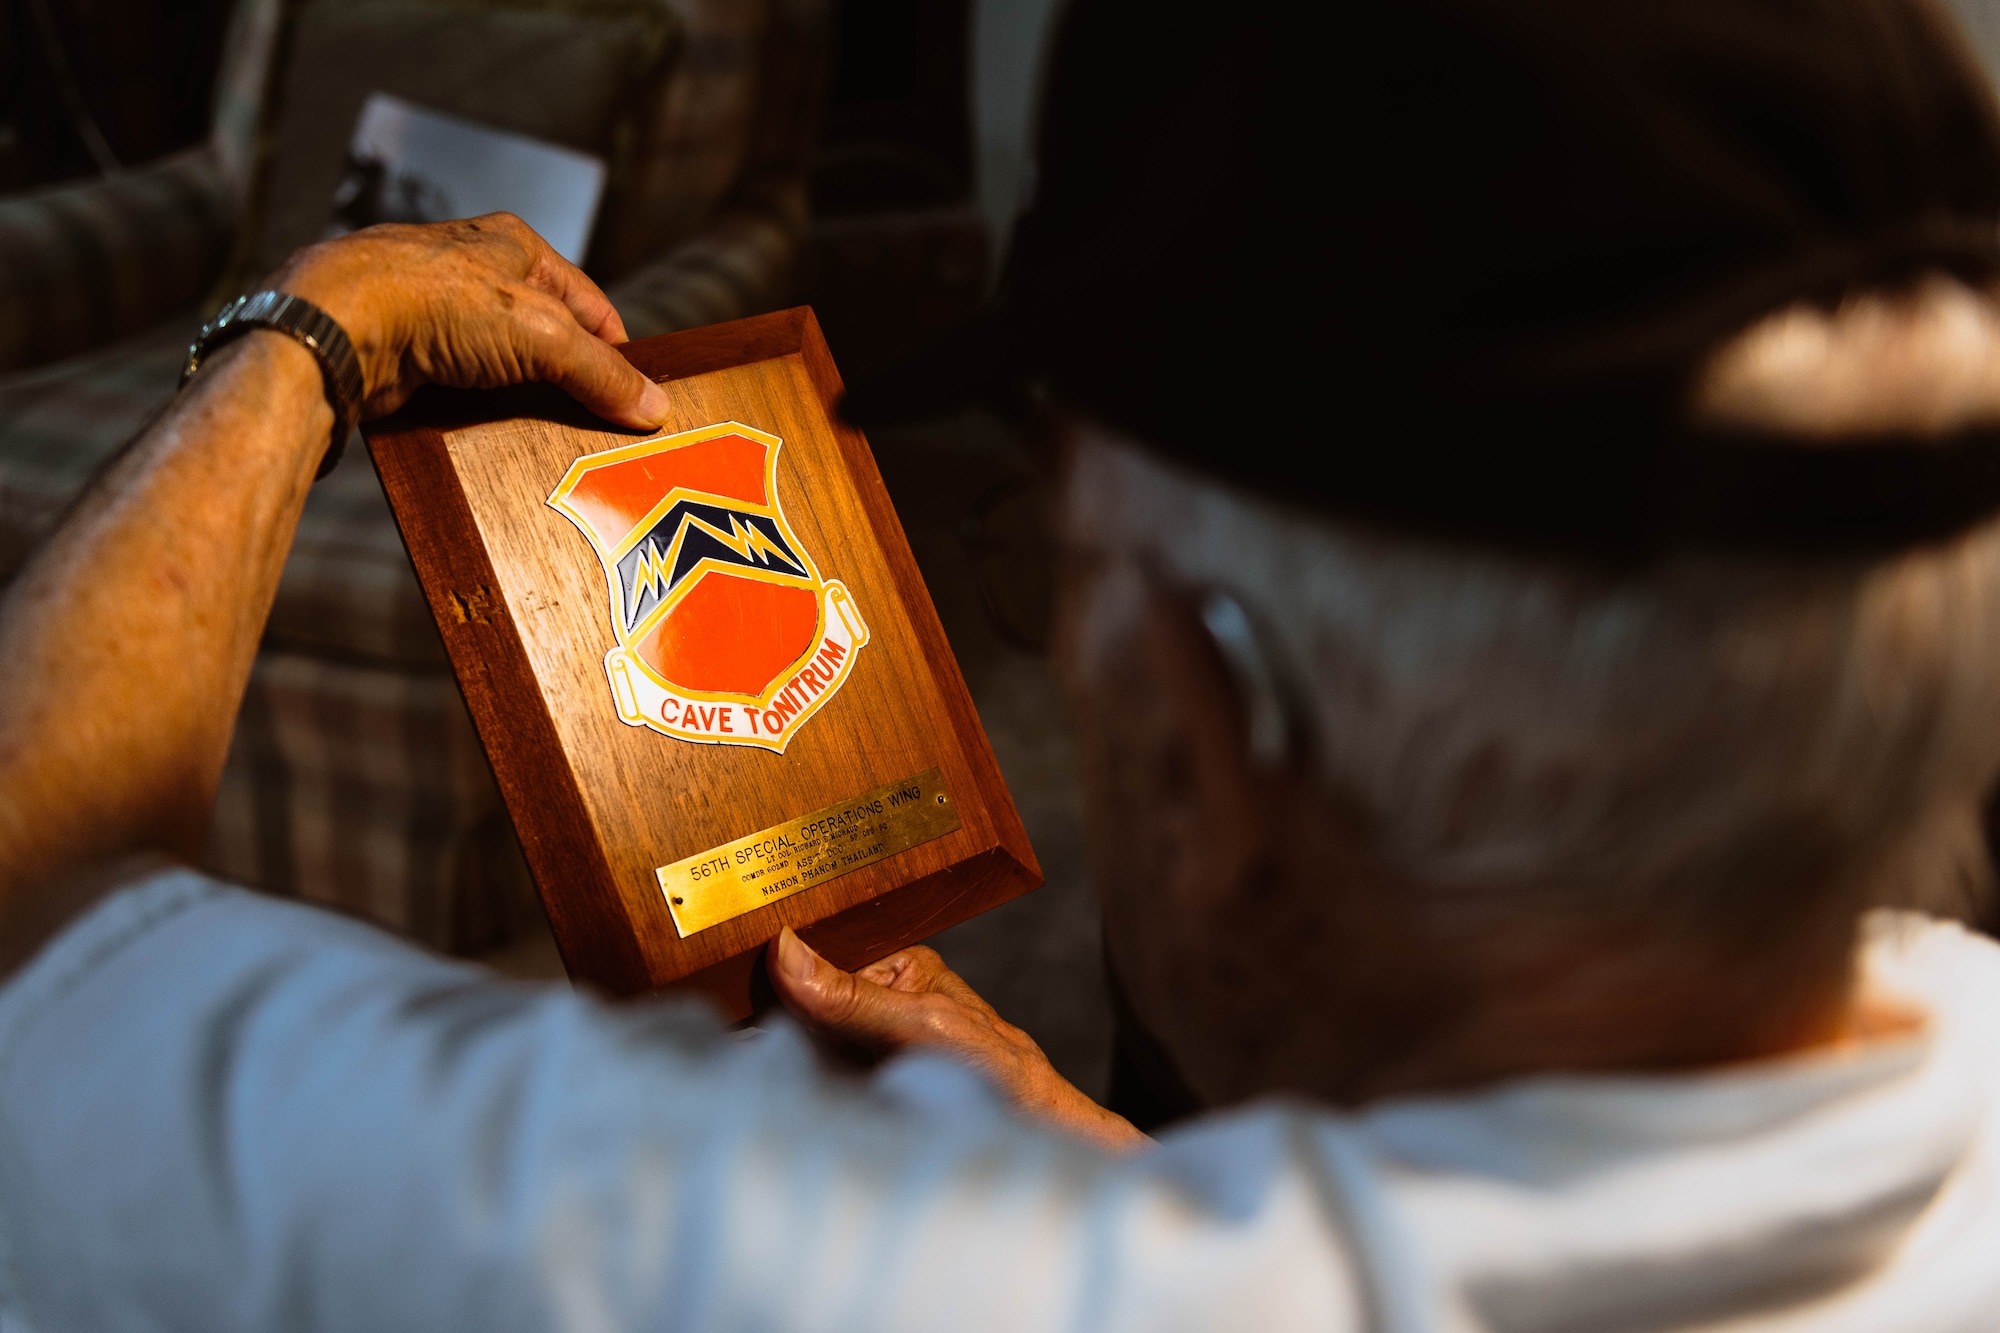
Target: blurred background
x: 920, y: 165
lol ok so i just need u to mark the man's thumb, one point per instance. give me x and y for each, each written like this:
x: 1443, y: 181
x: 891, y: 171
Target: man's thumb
x: 840, y: 1003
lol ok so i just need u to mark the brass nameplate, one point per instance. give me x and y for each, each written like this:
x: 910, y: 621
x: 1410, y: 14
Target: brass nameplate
x: 727, y: 881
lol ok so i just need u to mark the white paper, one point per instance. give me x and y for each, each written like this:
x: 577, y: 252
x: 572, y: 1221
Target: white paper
x: 410, y: 164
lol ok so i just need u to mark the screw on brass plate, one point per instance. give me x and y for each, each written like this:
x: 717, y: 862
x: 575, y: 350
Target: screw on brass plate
x: 679, y: 902
x: 940, y: 798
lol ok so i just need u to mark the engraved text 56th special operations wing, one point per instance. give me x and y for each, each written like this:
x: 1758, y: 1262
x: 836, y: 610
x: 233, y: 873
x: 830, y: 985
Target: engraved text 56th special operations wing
x: 726, y: 633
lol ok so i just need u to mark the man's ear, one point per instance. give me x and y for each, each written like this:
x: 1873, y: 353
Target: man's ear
x: 1270, y: 731
x: 1218, y: 680
x: 1176, y: 804
x: 1222, y: 702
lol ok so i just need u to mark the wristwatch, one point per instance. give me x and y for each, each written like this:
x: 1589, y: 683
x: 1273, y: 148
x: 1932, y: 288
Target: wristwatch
x: 321, y: 335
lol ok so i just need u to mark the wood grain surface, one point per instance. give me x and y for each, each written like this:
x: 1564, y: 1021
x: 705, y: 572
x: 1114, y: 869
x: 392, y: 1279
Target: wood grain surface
x: 521, y: 601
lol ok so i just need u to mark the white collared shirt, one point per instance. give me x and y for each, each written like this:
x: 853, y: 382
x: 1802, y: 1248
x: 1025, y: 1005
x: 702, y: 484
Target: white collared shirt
x: 220, y: 1111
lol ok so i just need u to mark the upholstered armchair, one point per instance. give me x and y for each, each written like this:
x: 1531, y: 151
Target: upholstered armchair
x: 354, y: 777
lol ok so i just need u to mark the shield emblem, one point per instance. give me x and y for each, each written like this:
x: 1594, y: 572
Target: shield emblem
x: 726, y: 633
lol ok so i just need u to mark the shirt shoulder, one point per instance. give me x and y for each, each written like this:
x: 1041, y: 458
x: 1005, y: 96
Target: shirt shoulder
x: 299, y: 1121
x: 1949, y: 971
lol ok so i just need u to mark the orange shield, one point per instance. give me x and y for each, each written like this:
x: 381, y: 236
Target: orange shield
x: 726, y: 632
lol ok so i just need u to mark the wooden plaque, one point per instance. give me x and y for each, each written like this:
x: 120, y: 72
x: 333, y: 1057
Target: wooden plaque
x: 704, y: 666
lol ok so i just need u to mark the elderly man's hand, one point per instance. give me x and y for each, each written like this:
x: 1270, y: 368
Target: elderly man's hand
x: 911, y: 999
x: 475, y: 305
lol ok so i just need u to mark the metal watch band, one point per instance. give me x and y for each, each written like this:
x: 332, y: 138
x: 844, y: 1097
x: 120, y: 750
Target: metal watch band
x: 313, y: 327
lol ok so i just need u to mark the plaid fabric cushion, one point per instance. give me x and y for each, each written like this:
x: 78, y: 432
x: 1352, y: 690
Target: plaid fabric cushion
x: 722, y: 169
x: 731, y: 133
x: 84, y: 264
x: 570, y: 72
x: 743, y: 265
x: 707, y: 214
x: 348, y: 589
x: 364, y: 788
x: 58, y: 424
x: 242, y: 84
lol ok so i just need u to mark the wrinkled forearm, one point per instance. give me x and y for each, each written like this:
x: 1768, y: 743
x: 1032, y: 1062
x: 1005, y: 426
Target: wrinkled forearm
x: 127, y: 640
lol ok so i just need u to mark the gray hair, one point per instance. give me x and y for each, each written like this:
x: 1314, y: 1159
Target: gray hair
x: 1706, y: 727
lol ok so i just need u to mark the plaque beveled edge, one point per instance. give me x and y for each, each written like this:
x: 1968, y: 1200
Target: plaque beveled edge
x: 489, y: 660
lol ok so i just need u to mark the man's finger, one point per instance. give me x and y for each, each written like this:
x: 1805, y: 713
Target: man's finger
x: 837, y: 1002
x: 584, y: 299
x: 592, y: 372
x: 922, y: 968
x: 949, y: 983
x: 913, y: 969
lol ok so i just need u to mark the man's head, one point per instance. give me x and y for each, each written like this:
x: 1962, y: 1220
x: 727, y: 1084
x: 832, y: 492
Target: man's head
x: 1526, y: 813
x: 1582, y: 421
